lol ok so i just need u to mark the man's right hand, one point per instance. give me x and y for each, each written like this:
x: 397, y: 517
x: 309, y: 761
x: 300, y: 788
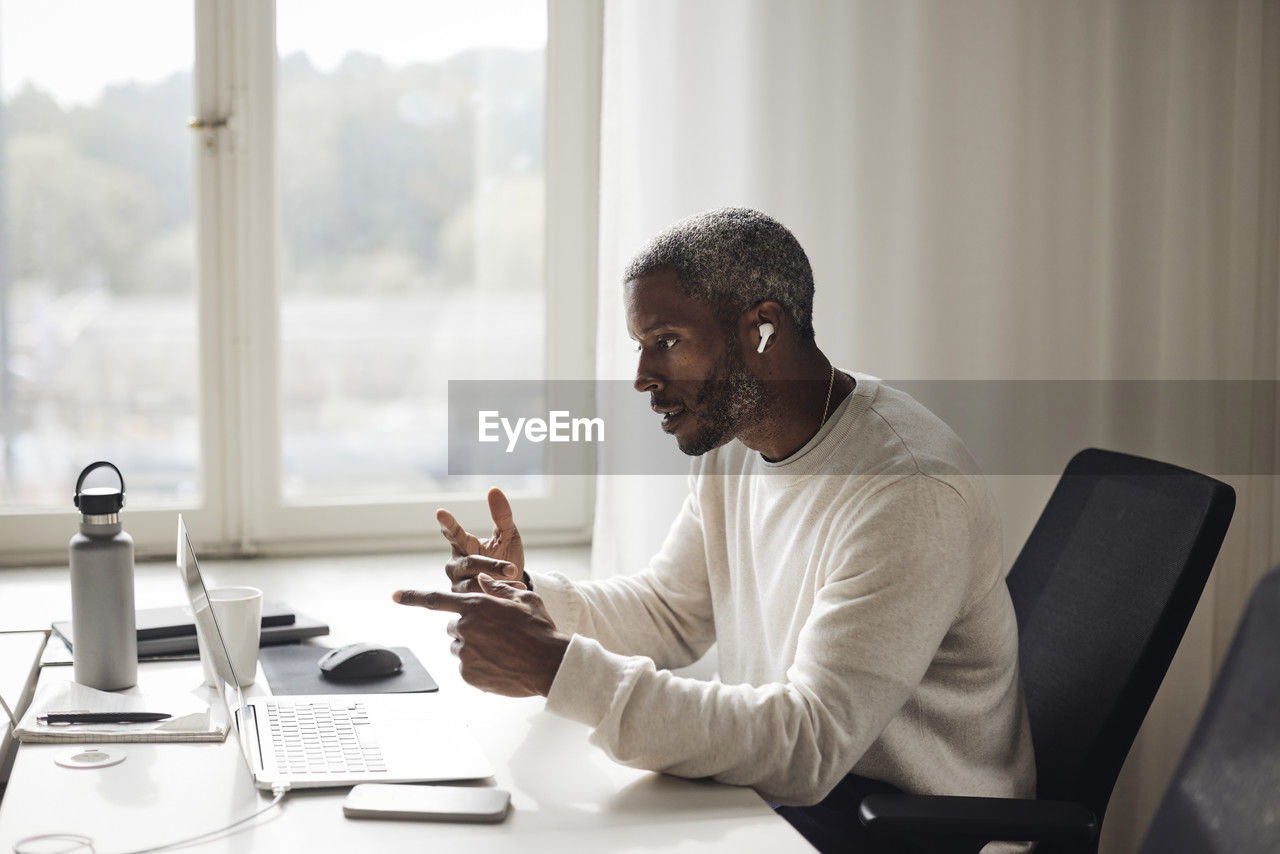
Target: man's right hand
x: 501, y: 556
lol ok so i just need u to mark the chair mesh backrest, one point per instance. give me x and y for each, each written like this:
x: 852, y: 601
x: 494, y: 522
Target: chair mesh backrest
x: 1223, y: 798
x: 1103, y: 590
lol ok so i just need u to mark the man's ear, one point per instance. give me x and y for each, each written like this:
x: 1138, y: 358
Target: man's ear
x: 764, y: 323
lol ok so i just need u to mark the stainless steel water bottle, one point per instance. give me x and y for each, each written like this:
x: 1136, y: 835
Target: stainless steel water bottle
x: 104, y: 640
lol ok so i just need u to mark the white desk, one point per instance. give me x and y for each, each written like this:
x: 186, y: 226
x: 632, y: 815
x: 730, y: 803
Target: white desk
x: 567, y: 796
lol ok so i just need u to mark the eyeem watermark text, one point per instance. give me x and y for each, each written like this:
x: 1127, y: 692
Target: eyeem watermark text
x: 557, y: 427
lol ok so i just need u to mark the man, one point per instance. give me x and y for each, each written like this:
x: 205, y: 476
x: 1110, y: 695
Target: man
x: 837, y: 542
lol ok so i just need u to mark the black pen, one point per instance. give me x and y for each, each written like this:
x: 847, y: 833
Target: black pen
x: 101, y: 717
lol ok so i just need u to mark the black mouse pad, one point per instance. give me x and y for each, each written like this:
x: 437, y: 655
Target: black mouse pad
x: 295, y: 669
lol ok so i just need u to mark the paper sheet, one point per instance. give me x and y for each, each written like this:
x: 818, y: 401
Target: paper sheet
x: 191, y: 718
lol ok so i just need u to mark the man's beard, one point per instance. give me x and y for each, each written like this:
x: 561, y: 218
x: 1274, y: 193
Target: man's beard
x: 729, y: 400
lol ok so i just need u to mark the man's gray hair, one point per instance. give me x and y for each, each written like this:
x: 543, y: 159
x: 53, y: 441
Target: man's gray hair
x: 734, y: 259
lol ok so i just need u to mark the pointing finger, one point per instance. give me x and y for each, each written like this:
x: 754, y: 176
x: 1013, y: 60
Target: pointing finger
x: 433, y: 600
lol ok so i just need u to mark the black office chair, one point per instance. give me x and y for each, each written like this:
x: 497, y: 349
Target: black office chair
x: 1223, y: 798
x: 1103, y: 591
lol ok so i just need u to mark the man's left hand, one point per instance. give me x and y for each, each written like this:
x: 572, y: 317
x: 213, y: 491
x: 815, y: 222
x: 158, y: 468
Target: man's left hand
x: 504, y: 638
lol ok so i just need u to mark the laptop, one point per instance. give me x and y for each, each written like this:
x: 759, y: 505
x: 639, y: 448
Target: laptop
x: 312, y: 741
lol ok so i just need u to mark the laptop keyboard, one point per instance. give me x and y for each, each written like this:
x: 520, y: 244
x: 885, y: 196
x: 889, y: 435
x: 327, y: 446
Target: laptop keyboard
x: 322, y: 738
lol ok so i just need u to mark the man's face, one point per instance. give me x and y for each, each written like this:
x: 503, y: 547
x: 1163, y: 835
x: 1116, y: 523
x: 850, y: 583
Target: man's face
x: 691, y: 367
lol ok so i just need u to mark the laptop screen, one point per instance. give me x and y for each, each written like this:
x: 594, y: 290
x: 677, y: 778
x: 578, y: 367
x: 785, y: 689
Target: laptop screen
x: 207, y: 628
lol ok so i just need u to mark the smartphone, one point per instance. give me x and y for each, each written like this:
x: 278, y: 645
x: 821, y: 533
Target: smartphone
x: 426, y: 803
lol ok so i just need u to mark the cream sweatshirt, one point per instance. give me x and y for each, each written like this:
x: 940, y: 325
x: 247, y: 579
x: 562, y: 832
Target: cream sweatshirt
x: 857, y: 594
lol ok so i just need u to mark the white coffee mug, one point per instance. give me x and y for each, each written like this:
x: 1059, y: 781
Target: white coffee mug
x: 239, y: 614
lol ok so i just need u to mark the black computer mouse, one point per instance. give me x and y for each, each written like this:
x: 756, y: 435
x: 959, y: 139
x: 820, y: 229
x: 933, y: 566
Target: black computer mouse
x: 360, y: 661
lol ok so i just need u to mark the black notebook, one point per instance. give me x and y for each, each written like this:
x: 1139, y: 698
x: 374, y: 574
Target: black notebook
x: 170, y: 631
x: 176, y: 622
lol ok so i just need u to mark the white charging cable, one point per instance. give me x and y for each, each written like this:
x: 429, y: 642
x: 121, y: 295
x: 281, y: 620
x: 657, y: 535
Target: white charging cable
x: 81, y: 843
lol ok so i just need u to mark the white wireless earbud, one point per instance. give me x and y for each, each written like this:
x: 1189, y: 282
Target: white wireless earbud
x: 766, y: 332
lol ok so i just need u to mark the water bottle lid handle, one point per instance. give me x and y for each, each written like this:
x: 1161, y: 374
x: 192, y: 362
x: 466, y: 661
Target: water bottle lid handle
x: 102, y: 502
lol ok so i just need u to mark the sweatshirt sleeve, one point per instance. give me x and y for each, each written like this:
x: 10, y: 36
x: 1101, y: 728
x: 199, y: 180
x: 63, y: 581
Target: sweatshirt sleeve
x: 896, y: 582
x: 663, y: 613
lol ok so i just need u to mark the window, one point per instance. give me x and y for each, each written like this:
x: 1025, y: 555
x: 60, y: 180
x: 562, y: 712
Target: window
x: 412, y: 199
x: 257, y: 317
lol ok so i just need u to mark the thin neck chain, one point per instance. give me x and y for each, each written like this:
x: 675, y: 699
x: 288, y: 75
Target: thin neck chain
x: 830, y: 385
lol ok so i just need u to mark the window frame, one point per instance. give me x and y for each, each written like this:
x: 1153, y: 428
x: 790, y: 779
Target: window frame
x: 243, y: 510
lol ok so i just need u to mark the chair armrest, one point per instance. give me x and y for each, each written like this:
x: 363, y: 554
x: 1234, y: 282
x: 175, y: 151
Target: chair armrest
x: 986, y: 819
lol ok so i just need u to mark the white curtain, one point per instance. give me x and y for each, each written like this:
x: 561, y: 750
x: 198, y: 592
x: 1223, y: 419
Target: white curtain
x: 987, y: 189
